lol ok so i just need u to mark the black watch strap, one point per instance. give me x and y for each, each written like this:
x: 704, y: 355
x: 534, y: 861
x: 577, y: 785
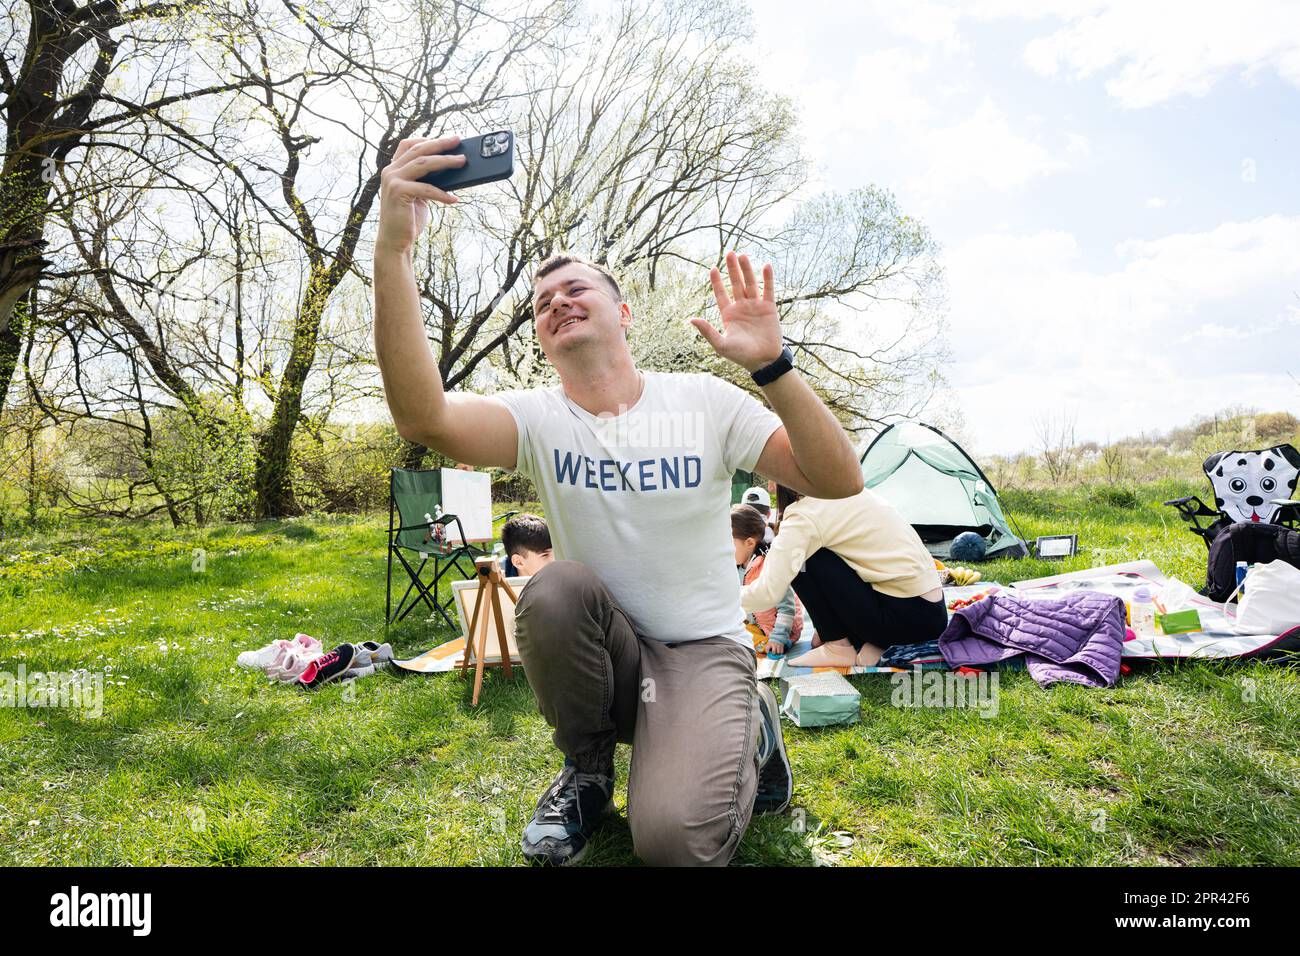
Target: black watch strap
x: 770, y: 373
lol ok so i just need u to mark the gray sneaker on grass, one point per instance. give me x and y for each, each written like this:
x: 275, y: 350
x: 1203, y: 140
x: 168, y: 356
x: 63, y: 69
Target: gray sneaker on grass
x: 775, y: 781
x: 567, y: 815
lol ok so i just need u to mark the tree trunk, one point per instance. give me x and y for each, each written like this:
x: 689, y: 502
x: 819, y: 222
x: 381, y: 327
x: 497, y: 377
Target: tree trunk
x: 273, y: 478
x: 35, y: 141
x: 11, y: 345
x: 23, y: 198
x: 33, y: 493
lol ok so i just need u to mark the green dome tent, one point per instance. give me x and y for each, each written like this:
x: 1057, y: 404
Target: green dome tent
x: 938, y: 489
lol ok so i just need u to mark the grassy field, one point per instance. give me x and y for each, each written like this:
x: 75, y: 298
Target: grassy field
x: 195, y: 761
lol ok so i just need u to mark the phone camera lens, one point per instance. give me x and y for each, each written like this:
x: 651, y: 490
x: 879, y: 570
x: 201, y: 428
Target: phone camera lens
x: 494, y: 144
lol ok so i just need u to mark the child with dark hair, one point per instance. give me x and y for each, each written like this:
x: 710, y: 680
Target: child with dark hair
x: 780, y: 624
x: 527, y: 542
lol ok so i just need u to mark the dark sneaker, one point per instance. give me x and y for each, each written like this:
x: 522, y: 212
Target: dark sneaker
x: 329, y: 667
x: 775, y: 782
x: 567, y: 815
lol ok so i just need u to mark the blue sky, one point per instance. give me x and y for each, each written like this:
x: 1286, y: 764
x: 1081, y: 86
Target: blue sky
x: 1116, y: 188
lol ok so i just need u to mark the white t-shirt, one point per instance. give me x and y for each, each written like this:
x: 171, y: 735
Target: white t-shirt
x: 643, y: 498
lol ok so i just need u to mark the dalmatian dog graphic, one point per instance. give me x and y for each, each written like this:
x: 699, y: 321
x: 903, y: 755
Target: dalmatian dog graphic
x: 1245, y: 482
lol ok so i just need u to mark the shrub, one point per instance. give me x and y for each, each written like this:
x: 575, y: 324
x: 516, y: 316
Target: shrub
x: 511, y: 486
x: 1114, y: 496
x: 345, y: 470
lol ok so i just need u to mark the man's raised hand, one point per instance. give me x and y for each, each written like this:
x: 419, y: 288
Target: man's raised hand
x: 403, y: 199
x: 751, y: 325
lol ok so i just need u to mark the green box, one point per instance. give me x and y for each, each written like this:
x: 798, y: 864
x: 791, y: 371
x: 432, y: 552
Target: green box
x: 1179, y: 622
x: 819, y: 700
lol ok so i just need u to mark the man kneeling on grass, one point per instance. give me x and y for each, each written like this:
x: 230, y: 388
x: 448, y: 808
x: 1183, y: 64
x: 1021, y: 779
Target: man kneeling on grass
x: 635, y: 634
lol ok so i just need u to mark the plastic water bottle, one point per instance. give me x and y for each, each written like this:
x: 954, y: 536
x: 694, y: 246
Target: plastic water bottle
x: 1142, y: 612
x: 1242, y: 568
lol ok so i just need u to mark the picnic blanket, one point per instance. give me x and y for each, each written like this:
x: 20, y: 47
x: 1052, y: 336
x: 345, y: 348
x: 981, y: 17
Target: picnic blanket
x: 1215, y: 640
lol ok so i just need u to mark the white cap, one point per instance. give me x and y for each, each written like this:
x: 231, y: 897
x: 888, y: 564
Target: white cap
x: 756, y: 496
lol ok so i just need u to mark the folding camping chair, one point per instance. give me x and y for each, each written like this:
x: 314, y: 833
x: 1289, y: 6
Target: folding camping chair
x: 415, y: 527
x: 1248, y: 486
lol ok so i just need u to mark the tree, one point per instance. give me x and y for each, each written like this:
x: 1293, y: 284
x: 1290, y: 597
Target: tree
x: 654, y: 151
x: 1276, y: 426
x: 341, y: 77
x: 203, y: 301
x: 1056, y: 442
x: 57, y: 96
x: 1114, y: 458
x: 433, y: 73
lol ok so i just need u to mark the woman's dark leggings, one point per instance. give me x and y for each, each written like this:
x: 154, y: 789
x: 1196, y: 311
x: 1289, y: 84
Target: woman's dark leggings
x: 841, y: 604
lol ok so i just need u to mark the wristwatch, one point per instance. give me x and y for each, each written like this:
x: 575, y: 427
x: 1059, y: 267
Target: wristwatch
x: 770, y: 373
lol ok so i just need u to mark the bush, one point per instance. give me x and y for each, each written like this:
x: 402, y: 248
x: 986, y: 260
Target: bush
x: 345, y: 471
x: 210, y: 466
x: 1114, y: 496
x: 1276, y: 427
x: 510, y: 486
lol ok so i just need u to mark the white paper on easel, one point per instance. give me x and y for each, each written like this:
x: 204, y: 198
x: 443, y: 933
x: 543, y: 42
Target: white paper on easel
x: 467, y: 594
x: 447, y: 657
x: 468, y: 496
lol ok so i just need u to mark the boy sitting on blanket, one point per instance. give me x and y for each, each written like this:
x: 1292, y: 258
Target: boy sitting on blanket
x: 527, y: 541
x: 782, y: 624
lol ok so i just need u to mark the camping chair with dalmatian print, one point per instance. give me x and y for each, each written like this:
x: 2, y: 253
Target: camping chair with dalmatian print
x: 1256, y: 486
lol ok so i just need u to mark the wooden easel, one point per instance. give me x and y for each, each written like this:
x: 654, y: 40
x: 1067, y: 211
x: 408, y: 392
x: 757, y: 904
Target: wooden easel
x: 490, y: 579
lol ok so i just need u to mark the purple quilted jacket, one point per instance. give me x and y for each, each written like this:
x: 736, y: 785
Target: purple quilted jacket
x: 1075, y: 638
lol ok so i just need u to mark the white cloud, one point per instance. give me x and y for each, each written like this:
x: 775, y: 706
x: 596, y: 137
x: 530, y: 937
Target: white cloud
x: 1158, y: 51
x: 931, y: 24
x: 1284, y: 328
x: 1213, y: 330
x: 1230, y: 259
x: 1161, y: 330
x: 1035, y: 328
x: 893, y: 83
x: 980, y: 152
x: 1148, y: 51
x: 888, y: 85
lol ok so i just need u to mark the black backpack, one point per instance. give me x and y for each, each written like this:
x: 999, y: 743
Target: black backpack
x: 1253, y: 542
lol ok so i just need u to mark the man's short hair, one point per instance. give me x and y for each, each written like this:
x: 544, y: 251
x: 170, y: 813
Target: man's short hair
x: 563, y: 259
x: 526, y: 532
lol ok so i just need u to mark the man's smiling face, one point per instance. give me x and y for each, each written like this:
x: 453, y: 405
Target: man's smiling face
x: 575, y: 307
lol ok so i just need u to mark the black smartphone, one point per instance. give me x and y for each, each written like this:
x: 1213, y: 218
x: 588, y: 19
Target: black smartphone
x: 490, y: 158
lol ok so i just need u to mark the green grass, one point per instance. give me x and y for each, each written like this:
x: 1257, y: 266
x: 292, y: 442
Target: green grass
x: 195, y: 761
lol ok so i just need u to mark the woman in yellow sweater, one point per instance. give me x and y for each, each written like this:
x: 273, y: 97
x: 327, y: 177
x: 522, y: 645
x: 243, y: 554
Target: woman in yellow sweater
x: 862, y: 573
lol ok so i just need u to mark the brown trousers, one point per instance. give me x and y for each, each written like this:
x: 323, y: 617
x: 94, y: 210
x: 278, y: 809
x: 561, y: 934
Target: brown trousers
x: 689, y: 710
